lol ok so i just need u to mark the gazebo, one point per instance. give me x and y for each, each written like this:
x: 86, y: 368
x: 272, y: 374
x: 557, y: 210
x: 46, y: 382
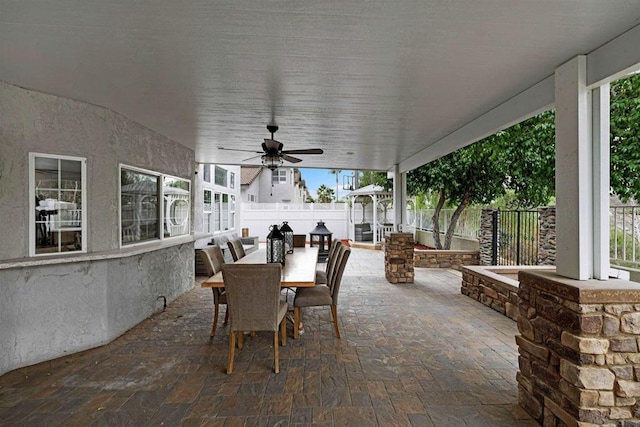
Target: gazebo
x: 373, y: 223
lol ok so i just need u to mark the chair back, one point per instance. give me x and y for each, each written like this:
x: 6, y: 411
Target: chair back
x: 236, y: 248
x: 212, y: 259
x: 336, y: 278
x: 253, y: 295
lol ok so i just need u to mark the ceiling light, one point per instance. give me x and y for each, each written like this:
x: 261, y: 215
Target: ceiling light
x: 273, y: 162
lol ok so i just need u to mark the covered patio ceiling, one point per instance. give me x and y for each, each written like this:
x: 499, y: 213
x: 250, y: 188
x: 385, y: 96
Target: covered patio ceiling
x: 372, y: 83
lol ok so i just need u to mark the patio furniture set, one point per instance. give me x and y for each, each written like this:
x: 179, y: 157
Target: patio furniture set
x: 251, y: 290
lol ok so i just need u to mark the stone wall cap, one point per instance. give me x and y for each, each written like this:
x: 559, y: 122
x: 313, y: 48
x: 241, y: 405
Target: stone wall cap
x: 590, y: 291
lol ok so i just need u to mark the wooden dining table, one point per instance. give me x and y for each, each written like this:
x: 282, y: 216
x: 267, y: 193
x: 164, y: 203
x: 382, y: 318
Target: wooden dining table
x: 299, y: 269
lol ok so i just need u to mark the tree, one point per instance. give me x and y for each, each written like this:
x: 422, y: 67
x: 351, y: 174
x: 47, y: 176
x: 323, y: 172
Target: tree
x: 376, y: 178
x: 325, y: 194
x: 336, y: 172
x: 625, y: 138
x: 521, y: 158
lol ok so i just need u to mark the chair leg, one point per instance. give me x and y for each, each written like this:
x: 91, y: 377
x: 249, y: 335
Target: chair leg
x: 296, y: 322
x: 240, y: 339
x: 283, y: 331
x: 216, y: 308
x: 226, y: 316
x: 334, y: 314
x: 275, y: 352
x: 232, y: 351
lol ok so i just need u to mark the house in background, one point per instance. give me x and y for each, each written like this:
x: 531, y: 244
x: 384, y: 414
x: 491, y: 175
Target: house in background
x: 283, y: 185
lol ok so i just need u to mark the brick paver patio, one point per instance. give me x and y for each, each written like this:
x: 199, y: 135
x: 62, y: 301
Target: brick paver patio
x: 411, y: 355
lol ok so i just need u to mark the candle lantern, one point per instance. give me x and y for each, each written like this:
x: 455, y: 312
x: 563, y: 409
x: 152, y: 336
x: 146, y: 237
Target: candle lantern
x: 287, y: 232
x: 275, y: 245
x: 321, y: 236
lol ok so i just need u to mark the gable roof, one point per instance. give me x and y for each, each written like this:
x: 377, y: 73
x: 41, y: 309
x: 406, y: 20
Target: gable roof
x: 248, y: 174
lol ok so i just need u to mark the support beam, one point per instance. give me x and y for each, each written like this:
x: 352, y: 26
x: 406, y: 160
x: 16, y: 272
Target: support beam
x: 601, y: 180
x: 574, y: 171
x: 399, y: 198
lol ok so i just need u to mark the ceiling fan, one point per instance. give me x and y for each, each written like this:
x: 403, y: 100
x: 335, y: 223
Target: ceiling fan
x: 273, y: 155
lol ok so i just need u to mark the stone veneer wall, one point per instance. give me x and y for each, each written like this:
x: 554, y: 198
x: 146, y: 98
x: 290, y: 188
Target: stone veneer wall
x: 432, y: 258
x: 547, y: 238
x: 579, y: 363
x: 493, y: 290
x: 486, y: 236
x: 398, y: 257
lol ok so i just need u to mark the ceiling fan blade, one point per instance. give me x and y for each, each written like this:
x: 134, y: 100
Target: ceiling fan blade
x: 251, y: 158
x: 237, y: 149
x: 304, y: 151
x: 291, y: 159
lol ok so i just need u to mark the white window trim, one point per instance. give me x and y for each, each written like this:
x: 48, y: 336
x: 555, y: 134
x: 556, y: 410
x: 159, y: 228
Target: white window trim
x: 32, y: 207
x: 161, y: 218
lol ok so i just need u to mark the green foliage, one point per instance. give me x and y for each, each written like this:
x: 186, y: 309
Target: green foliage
x: 325, y: 194
x: 625, y: 134
x: 376, y: 178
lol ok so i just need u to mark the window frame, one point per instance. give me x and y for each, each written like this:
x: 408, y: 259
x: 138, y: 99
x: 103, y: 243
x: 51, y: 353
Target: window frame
x: 223, y: 174
x: 160, y: 208
x: 279, y: 176
x: 32, y: 235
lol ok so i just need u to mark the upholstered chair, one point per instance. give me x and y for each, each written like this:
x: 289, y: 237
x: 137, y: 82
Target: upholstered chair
x: 212, y: 258
x: 237, y: 251
x: 320, y: 295
x: 253, y: 298
x: 322, y: 274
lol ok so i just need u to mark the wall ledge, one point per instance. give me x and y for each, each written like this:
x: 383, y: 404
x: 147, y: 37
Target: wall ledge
x: 590, y: 291
x: 124, y: 252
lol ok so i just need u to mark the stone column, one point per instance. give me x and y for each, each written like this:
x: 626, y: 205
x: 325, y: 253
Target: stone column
x: 547, y: 237
x: 579, y: 363
x: 398, y: 258
x: 486, y: 236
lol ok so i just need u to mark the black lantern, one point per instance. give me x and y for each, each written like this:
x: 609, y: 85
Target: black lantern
x: 322, y: 237
x: 275, y: 245
x: 288, y: 236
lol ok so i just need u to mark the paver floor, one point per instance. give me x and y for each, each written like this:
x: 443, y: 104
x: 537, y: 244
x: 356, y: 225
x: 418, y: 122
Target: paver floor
x: 417, y: 354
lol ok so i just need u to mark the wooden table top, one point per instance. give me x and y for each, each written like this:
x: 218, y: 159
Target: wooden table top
x: 299, y: 269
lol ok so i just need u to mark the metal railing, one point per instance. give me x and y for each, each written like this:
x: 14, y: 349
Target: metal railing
x: 468, y: 224
x: 624, y: 235
x: 515, y: 237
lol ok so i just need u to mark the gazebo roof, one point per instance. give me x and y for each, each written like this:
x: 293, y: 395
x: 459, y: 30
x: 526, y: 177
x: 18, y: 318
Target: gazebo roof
x: 370, y: 190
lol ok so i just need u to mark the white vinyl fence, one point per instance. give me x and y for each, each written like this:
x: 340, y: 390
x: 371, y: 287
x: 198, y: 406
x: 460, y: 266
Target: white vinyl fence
x: 302, y: 218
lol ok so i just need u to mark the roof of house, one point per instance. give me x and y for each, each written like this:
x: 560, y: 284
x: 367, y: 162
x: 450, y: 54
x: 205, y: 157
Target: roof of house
x: 249, y: 173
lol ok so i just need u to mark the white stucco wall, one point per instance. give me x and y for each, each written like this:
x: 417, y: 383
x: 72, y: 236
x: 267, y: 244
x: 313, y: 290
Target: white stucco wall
x: 58, y: 305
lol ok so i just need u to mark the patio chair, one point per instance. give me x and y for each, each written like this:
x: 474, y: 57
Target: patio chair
x: 322, y: 275
x: 236, y: 249
x: 253, y: 295
x: 322, y: 294
x: 212, y: 259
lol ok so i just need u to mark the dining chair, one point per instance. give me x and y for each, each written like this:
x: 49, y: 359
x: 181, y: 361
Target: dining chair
x: 320, y: 295
x: 212, y: 258
x: 236, y: 249
x: 253, y: 297
x: 322, y: 275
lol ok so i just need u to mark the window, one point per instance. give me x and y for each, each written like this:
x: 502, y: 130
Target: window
x: 207, y: 211
x: 206, y: 172
x: 57, y: 201
x: 232, y: 212
x: 252, y: 197
x: 279, y: 176
x: 232, y: 180
x: 176, y: 194
x: 140, y: 211
x: 221, y: 176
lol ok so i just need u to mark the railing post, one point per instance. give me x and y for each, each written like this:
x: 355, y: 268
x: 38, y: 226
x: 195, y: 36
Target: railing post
x: 494, y: 237
x: 518, y: 243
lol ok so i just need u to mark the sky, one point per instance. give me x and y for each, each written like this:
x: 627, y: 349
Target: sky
x: 314, y: 178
